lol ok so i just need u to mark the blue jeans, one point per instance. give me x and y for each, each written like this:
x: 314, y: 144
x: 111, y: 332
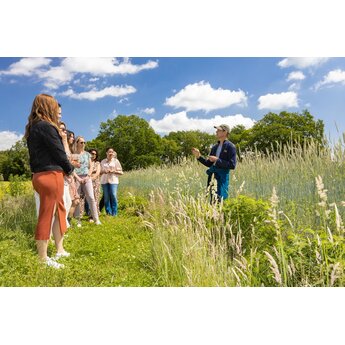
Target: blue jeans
x: 222, y: 176
x: 110, y: 198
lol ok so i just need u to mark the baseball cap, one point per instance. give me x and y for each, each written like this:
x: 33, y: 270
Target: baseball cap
x: 223, y: 127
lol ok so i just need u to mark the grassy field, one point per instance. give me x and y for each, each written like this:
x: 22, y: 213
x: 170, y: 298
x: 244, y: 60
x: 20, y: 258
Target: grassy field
x: 282, y: 226
x: 117, y: 253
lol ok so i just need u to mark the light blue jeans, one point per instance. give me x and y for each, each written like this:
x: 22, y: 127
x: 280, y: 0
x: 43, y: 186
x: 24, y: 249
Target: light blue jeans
x: 110, y: 198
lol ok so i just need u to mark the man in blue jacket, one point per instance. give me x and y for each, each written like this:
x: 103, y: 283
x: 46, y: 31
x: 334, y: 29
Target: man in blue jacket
x: 221, y: 160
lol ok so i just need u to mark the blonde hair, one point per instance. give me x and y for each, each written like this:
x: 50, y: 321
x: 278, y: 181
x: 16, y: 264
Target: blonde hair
x: 76, y: 139
x: 44, y: 108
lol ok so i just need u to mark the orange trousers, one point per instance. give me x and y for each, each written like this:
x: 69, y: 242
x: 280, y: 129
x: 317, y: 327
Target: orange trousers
x: 49, y: 185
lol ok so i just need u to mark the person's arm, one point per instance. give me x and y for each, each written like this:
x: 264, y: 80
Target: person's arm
x: 65, y: 143
x: 98, y: 171
x: 76, y: 176
x: 90, y: 167
x: 205, y: 161
x: 53, y: 142
x: 201, y: 159
x: 118, y: 168
x: 103, y: 168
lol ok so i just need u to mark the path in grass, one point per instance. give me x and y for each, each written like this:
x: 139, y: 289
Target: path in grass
x: 116, y: 253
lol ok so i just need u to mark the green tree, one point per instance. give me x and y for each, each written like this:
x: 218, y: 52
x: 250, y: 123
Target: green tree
x: 170, y: 150
x: 186, y: 140
x: 15, y: 161
x: 283, y: 128
x: 136, y: 143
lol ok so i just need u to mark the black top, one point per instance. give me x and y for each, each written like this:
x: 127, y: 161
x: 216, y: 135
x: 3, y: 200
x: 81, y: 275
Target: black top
x: 46, y: 150
x: 227, y: 157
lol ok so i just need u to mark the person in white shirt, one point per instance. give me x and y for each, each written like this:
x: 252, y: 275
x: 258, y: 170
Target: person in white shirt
x: 111, y: 169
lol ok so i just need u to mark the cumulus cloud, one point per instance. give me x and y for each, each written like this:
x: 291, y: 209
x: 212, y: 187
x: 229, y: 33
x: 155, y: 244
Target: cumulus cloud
x: 54, y: 77
x: 276, y: 101
x: 8, y: 139
x: 149, y: 110
x: 296, y: 75
x: 201, y: 96
x: 181, y: 122
x: 333, y: 77
x: 302, y: 62
x: 26, y: 66
x: 92, y: 95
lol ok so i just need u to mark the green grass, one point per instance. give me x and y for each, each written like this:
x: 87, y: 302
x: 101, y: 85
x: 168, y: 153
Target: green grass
x: 117, y: 253
x: 282, y: 227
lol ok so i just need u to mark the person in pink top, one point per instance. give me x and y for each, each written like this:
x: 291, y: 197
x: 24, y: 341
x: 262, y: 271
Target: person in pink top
x: 111, y: 169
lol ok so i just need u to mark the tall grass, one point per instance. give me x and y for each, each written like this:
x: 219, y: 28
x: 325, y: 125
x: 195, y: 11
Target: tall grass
x: 300, y: 241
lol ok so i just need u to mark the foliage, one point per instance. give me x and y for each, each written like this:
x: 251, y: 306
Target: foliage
x: 250, y: 219
x: 186, y: 140
x: 276, y: 130
x: 18, y: 185
x: 132, y: 204
x: 136, y: 143
x: 15, y: 161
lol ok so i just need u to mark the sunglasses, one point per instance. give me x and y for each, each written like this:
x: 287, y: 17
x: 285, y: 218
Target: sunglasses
x: 82, y: 142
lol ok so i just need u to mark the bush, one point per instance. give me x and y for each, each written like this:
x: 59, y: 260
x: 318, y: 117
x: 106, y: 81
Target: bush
x: 250, y: 217
x: 132, y: 204
x: 18, y: 185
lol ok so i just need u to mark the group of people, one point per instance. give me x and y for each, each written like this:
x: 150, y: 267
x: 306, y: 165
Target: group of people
x: 66, y: 178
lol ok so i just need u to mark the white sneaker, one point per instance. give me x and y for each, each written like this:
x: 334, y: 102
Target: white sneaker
x: 79, y: 225
x: 52, y: 263
x: 98, y: 222
x: 64, y: 254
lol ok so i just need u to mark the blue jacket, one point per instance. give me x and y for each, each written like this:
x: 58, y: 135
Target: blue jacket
x: 227, y: 157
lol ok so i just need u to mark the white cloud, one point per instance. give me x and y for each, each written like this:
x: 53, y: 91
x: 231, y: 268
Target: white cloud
x: 26, y: 66
x: 113, y: 91
x: 302, y: 62
x: 276, y: 101
x: 294, y: 86
x: 54, y: 77
x: 201, y: 96
x: 181, y: 122
x: 8, y: 139
x: 296, y: 75
x: 123, y: 100
x: 104, y: 66
x: 149, y: 110
x: 333, y: 77
x: 93, y: 79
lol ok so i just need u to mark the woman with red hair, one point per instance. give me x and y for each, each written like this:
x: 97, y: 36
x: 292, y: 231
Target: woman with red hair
x: 48, y: 163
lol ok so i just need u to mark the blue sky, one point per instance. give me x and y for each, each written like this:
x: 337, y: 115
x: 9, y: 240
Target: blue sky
x: 171, y: 93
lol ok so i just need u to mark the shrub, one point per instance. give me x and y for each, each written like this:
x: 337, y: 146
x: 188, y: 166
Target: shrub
x: 251, y: 218
x: 18, y: 185
x: 132, y: 204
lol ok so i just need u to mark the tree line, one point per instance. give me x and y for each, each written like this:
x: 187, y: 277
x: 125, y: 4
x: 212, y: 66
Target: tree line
x: 139, y: 146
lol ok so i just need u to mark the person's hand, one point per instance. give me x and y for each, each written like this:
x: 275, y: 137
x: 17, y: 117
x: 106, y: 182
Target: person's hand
x: 63, y: 135
x: 86, y: 178
x: 75, y: 163
x: 196, y: 152
x: 212, y: 158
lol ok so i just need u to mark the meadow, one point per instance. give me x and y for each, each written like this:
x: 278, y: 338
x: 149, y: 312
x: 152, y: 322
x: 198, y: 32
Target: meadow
x: 282, y: 226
